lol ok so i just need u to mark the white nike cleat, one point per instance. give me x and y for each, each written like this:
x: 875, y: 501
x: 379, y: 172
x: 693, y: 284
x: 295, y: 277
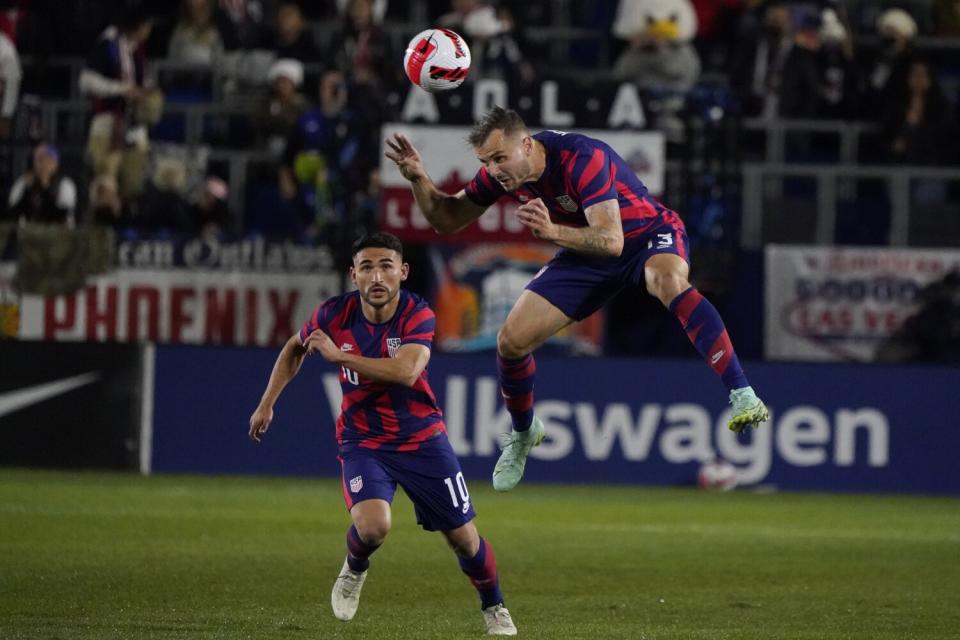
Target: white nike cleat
x: 509, y: 468
x: 345, y: 597
x: 498, y: 621
x: 748, y: 410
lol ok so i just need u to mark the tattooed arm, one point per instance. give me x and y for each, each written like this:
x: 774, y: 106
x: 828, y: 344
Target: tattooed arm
x: 603, y: 235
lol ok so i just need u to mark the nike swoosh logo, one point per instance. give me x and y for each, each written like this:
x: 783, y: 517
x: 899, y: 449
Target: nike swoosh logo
x: 17, y: 399
x: 716, y: 357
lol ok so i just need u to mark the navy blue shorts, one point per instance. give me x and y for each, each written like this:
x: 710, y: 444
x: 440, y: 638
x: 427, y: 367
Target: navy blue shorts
x: 430, y: 476
x: 579, y: 284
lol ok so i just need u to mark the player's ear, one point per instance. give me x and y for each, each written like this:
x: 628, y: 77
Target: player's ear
x: 353, y: 274
x: 527, y: 143
x: 404, y: 271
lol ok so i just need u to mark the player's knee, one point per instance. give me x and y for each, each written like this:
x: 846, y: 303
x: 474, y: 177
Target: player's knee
x: 373, y: 532
x: 666, y: 285
x: 508, y: 346
x: 465, y: 544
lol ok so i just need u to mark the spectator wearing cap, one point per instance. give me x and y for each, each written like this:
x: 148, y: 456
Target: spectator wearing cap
x: 44, y: 194
x: 801, y: 90
x: 210, y: 210
x: 886, y: 72
x: 278, y: 114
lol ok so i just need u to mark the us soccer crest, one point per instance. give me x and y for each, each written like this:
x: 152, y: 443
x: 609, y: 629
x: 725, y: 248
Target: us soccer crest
x: 567, y: 203
x: 356, y: 484
x: 392, y: 345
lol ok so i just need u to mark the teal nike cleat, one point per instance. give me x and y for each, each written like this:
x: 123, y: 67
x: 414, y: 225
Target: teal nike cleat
x: 509, y: 469
x: 748, y: 410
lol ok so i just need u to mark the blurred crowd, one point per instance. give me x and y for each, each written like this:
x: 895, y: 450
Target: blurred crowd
x: 311, y: 80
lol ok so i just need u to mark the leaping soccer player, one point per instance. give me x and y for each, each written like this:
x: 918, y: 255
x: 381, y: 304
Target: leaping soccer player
x: 578, y: 193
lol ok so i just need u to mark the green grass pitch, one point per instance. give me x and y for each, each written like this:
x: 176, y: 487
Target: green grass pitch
x: 87, y: 555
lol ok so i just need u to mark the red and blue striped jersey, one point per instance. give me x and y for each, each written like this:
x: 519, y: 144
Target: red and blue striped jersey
x: 377, y: 415
x: 580, y: 172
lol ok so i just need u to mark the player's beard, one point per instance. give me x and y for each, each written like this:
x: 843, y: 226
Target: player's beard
x: 383, y: 300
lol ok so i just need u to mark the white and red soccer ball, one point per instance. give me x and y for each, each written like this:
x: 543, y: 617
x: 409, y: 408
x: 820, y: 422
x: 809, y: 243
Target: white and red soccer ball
x: 437, y: 60
x: 717, y: 475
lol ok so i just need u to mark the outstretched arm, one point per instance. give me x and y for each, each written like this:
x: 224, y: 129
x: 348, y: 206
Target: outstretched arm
x: 284, y: 370
x: 603, y: 235
x: 404, y: 369
x: 446, y: 213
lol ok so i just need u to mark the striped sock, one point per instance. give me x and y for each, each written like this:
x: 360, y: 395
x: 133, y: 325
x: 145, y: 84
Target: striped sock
x: 705, y: 329
x: 358, y: 551
x: 516, y: 387
x: 482, y: 571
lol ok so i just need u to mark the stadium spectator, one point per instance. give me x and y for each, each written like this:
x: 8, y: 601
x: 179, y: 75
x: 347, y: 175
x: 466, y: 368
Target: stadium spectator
x: 360, y: 48
x: 391, y: 429
x: 277, y: 116
x: 240, y: 22
x: 839, y: 72
x: 378, y: 9
x: 114, y: 78
x: 460, y: 11
x: 716, y: 31
x: 325, y: 160
x: 44, y: 193
x: 757, y: 68
x: 932, y: 334
x: 196, y: 39
x: 105, y: 206
x: 919, y: 125
x: 801, y: 86
x: 210, y: 211
x: 947, y: 17
x: 162, y: 206
x: 291, y: 38
x: 887, y: 70
x: 10, y: 76
x: 494, y: 44
x: 11, y: 13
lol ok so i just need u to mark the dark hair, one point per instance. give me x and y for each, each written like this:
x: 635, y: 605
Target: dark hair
x: 507, y: 120
x: 377, y: 240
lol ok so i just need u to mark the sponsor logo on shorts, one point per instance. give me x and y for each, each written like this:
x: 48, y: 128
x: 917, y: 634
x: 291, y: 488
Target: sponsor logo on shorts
x: 393, y: 344
x: 356, y: 484
x: 346, y: 346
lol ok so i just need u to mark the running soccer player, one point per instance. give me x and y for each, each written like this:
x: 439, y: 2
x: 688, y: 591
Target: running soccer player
x: 390, y: 430
x: 579, y: 194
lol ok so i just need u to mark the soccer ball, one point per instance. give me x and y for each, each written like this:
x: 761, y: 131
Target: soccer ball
x: 717, y: 475
x: 437, y: 60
